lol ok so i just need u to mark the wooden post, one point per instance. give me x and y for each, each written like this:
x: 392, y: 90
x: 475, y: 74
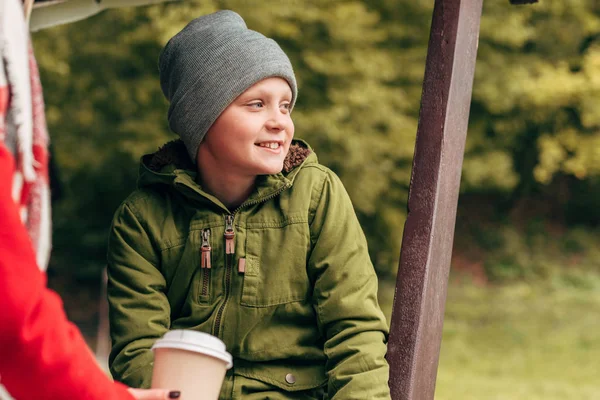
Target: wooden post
x: 418, y: 313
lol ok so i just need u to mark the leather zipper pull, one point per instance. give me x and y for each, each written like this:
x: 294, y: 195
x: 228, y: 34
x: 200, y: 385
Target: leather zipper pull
x: 229, y: 235
x: 242, y: 265
x: 205, y: 250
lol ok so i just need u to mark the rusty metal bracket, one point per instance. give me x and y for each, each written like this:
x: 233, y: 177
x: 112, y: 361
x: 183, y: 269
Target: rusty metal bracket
x: 418, y: 313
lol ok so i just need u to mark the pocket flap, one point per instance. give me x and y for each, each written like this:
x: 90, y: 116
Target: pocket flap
x: 287, y: 376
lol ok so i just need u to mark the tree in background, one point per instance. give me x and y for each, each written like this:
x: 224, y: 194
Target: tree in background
x: 535, y: 119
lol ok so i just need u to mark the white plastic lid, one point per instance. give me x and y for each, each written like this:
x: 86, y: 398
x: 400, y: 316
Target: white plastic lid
x: 198, y: 342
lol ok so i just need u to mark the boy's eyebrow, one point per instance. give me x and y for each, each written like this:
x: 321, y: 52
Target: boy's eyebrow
x: 263, y: 93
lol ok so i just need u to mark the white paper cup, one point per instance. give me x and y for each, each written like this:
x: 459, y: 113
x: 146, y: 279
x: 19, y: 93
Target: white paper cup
x: 193, y: 362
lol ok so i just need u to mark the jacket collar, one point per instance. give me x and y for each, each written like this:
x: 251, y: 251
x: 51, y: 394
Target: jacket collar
x: 171, y: 166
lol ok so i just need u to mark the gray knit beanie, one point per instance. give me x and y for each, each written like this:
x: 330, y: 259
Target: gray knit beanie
x: 207, y: 65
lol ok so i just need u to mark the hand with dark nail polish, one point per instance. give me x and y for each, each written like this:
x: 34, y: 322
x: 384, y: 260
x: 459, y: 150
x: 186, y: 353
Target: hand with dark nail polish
x: 154, y: 394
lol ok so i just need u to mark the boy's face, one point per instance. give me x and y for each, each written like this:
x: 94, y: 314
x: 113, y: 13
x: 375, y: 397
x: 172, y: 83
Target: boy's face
x: 252, y: 136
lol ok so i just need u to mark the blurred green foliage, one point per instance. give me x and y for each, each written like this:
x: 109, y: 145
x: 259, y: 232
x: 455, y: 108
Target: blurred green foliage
x: 534, y: 129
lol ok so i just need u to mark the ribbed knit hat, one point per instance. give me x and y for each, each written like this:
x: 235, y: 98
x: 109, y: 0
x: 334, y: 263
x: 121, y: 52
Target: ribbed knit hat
x: 207, y: 65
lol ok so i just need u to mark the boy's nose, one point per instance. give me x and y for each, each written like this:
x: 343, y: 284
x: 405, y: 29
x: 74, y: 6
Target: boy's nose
x: 276, y: 122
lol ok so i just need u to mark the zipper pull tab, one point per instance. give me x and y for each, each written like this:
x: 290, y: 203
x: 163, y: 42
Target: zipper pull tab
x: 205, y: 249
x: 229, y: 235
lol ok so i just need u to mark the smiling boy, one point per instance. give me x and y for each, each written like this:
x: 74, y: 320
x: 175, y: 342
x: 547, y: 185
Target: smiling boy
x: 236, y: 230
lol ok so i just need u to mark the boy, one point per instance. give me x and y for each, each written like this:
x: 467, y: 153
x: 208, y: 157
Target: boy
x: 238, y: 231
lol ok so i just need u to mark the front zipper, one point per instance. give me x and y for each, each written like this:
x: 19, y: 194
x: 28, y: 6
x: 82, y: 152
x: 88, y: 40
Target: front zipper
x: 205, y: 250
x: 205, y: 261
x: 230, y: 250
x: 229, y: 254
x: 229, y: 234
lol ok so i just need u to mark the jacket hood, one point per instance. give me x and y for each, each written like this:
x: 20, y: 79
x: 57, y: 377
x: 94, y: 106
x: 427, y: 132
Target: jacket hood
x: 171, y: 164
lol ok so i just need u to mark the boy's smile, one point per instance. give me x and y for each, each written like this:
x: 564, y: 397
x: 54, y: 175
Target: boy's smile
x: 270, y: 145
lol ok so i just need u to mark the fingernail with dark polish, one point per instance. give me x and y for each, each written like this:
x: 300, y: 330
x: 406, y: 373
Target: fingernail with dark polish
x: 174, y: 394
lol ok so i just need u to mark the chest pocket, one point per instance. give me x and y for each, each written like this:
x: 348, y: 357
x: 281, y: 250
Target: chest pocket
x: 276, y: 265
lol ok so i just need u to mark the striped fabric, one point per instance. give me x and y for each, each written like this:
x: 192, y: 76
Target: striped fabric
x: 23, y: 127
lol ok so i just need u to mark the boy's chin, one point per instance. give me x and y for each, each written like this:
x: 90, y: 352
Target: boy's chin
x: 272, y: 169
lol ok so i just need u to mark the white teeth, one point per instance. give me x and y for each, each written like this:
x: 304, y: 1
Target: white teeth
x: 271, y: 145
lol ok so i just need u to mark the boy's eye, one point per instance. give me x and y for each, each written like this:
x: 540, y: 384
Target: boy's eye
x: 256, y: 104
x: 287, y: 106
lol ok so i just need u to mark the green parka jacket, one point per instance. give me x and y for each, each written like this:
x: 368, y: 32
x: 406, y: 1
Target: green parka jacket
x: 293, y: 294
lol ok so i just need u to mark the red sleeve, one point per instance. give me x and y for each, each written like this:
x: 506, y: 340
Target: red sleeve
x: 43, y: 355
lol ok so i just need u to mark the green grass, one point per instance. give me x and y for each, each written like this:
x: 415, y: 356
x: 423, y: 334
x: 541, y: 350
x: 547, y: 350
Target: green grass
x: 519, y: 341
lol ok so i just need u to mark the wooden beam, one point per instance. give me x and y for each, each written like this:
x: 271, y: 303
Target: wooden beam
x: 418, y: 313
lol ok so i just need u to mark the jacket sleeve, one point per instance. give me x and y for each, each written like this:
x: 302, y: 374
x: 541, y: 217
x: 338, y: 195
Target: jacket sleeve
x: 42, y: 354
x: 345, y: 297
x: 139, y: 310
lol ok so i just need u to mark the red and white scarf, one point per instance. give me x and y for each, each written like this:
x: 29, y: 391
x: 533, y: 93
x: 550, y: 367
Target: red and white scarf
x: 23, y: 127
